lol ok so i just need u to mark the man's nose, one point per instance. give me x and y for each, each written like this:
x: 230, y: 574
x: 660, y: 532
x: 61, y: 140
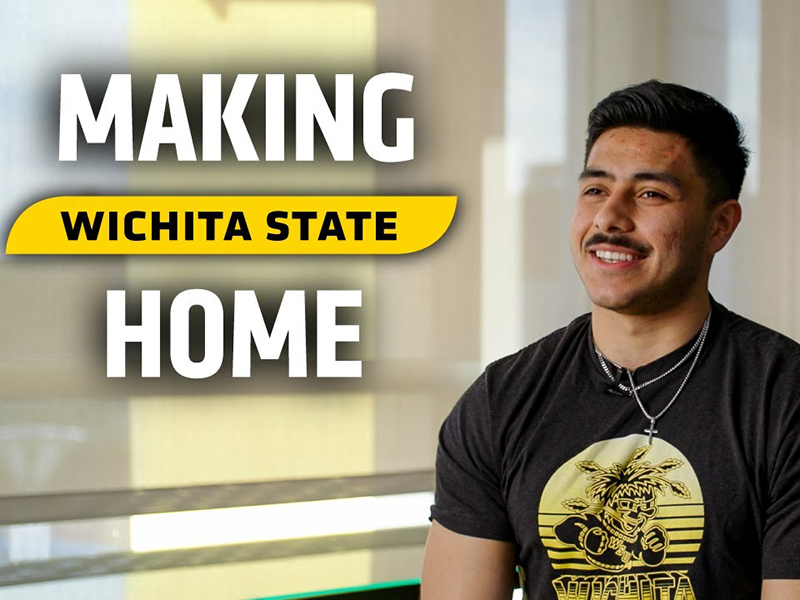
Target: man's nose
x: 615, y: 214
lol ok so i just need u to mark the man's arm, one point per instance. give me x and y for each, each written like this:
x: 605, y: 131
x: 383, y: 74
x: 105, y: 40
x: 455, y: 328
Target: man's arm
x: 461, y: 567
x: 780, y: 589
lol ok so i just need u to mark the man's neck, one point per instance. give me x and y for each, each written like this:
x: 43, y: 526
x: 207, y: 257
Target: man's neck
x: 635, y: 340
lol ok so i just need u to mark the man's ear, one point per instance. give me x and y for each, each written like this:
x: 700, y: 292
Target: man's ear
x: 725, y: 218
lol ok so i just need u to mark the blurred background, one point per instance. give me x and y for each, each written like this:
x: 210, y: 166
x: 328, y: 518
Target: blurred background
x: 271, y: 487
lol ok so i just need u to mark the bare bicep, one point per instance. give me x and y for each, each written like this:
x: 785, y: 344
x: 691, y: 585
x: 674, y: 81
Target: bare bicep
x: 780, y: 589
x: 462, y: 567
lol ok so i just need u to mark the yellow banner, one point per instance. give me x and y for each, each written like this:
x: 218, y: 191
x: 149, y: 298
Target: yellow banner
x: 231, y: 225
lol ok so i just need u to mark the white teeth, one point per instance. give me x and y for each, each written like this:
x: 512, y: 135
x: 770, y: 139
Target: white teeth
x: 613, y: 257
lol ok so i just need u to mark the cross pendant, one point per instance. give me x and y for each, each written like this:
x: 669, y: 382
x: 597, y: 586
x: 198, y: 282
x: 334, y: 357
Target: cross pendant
x: 651, y: 431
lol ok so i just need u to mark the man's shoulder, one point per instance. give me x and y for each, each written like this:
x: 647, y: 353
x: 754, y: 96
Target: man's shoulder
x: 759, y: 341
x: 522, y: 378
x: 544, y: 351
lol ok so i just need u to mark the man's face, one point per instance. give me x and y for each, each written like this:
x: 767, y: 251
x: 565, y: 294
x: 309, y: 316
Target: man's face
x: 640, y: 228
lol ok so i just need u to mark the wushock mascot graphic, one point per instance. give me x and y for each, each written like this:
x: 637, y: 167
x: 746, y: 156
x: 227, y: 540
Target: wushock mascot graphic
x: 613, y: 531
x: 623, y: 519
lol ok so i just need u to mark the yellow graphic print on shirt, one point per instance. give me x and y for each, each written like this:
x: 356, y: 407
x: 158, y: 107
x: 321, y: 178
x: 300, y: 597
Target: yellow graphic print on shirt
x: 625, y: 520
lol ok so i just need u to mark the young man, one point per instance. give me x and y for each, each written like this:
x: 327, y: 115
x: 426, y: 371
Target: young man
x: 650, y: 449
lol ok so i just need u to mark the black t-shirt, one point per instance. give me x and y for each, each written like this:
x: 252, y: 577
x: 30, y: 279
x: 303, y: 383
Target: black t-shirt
x: 539, y: 452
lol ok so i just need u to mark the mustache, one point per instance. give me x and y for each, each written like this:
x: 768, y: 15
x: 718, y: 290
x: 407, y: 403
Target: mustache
x: 615, y: 240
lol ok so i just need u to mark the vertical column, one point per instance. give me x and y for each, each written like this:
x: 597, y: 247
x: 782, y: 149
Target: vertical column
x: 772, y: 285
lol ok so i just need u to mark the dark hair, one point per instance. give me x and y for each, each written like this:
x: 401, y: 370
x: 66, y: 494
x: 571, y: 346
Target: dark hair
x: 713, y: 132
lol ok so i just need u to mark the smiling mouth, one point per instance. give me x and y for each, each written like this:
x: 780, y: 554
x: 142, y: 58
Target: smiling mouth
x: 616, y: 257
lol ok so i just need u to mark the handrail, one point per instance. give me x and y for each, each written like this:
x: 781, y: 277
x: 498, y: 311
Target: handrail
x: 48, y: 508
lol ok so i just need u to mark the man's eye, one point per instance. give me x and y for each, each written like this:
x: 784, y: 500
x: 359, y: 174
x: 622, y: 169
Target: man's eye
x: 653, y: 194
x: 593, y: 191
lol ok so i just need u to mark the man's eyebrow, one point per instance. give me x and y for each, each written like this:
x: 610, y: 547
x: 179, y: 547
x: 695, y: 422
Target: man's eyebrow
x: 661, y: 176
x: 595, y: 173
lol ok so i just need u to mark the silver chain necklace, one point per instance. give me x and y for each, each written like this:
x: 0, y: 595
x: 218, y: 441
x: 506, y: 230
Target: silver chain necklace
x: 696, y: 348
x: 624, y: 387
